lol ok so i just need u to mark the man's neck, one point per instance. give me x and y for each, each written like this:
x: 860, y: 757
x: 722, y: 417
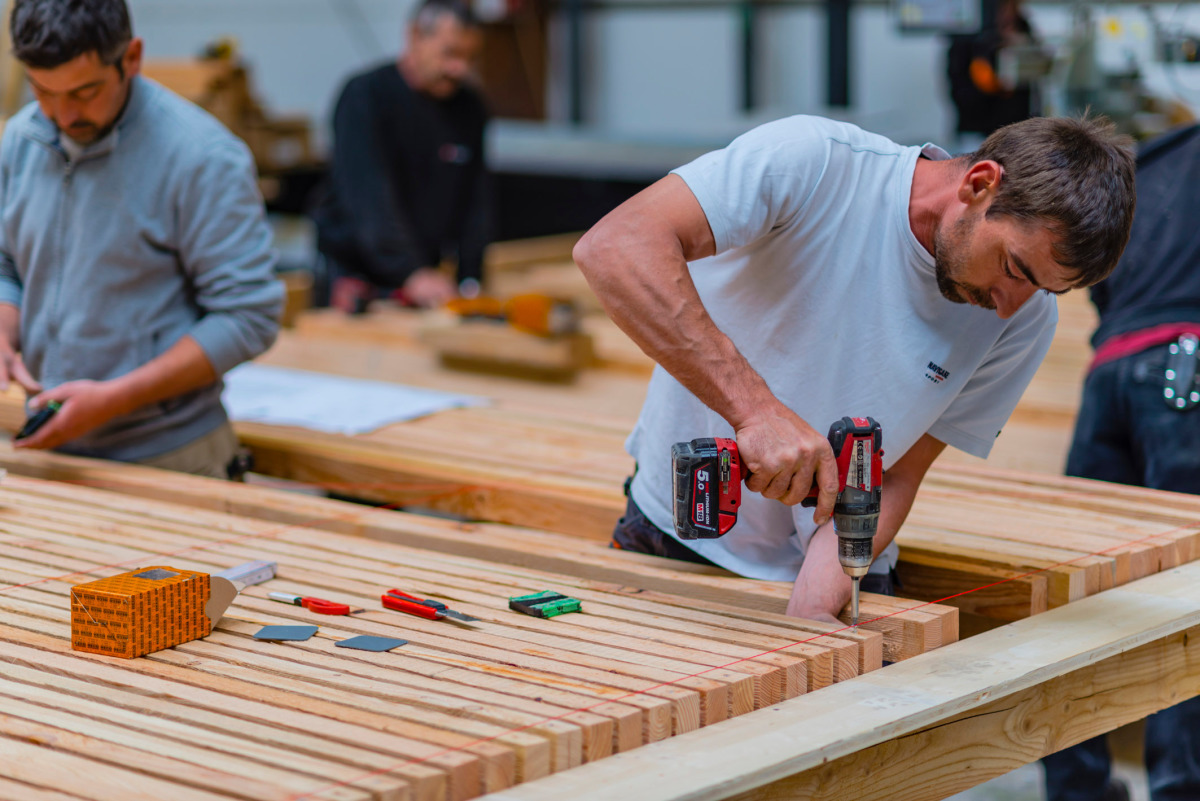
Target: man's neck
x: 409, y: 72
x: 934, y: 188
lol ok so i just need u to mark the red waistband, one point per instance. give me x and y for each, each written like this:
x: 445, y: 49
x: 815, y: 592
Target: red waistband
x: 1133, y: 342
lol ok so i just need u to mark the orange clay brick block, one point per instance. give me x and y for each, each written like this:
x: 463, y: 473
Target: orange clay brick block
x: 139, y: 612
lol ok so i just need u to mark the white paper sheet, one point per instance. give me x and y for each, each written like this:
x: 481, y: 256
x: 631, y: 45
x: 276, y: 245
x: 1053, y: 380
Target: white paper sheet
x: 282, y: 396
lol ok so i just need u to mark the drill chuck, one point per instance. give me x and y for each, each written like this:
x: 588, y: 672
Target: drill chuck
x: 855, y: 520
x: 855, y: 543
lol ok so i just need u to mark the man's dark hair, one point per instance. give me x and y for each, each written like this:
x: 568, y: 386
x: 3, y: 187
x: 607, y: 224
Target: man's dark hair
x: 1074, y: 175
x: 49, y: 33
x: 426, y: 17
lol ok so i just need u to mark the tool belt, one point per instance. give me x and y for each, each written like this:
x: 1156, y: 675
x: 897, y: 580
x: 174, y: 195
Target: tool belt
x: 1181, y: 378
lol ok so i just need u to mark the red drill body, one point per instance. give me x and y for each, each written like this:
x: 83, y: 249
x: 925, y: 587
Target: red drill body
x: 708, y: 474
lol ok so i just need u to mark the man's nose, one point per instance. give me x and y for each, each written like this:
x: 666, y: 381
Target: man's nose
x: 1008, y: 298
x: 66, y: 113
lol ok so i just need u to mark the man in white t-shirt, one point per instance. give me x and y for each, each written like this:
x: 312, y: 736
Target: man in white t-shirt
x: 813, y: 270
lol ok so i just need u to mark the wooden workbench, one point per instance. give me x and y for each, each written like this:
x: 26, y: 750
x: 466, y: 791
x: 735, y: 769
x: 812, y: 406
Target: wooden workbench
x: 668, y: 672
x: 461, y: 710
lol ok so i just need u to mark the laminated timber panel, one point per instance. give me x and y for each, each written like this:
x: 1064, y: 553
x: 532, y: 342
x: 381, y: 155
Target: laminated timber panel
x: 933, y: 726
x: 459, y: 711
x: 590, y: 566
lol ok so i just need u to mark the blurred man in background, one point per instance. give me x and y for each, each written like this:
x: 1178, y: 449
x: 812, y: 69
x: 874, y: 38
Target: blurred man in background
x: 1139, y: 424
x: 409, y: 187
x: 983, y: 100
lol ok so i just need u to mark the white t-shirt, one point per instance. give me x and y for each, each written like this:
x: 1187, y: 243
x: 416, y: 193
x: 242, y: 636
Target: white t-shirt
x: 824, y: 288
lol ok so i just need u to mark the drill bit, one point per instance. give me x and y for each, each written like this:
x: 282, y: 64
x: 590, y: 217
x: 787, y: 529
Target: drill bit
x: 854, y: 603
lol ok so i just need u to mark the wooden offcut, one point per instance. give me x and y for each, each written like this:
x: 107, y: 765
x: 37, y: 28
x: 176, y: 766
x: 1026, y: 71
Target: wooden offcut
x: 492, y: 346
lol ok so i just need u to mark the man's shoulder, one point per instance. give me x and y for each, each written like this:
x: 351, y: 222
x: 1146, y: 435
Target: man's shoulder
x: 1037, y: 316
x: 28, y: 123
x: 382, y: 77
x: 24, y: 118
x: 808, y: 129
x: 187, y: 133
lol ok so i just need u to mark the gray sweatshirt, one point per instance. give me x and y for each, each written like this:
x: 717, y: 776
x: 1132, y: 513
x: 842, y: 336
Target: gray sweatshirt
x: 116, y: 251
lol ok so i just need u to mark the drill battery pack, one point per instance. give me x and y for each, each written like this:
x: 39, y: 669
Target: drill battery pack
x: 707, y: 487
x: 545, y: 604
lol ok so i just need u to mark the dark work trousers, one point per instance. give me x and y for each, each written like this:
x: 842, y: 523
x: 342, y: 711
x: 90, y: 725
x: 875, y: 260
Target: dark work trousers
x: 634, y: 532
x: 1127, y: 434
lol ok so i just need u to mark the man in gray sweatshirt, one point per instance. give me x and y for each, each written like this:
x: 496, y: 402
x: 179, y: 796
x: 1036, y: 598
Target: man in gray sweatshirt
x: 135, y: 261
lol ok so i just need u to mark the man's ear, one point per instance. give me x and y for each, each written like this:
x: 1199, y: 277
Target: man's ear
x: 980, y: 182
x: 131, y: 62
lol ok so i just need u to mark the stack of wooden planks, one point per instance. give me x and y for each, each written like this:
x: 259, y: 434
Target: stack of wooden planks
x: 462, y: 709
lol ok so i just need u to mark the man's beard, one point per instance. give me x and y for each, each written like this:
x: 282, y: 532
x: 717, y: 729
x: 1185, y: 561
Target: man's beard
x: 86, y: 133
x: 950, y: 260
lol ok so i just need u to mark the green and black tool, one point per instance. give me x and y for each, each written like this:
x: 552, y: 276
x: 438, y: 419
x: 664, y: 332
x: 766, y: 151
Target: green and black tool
x: 545, y: 604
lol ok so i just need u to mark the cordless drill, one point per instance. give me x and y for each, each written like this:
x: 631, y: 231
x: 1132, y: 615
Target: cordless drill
x: 708, y: 489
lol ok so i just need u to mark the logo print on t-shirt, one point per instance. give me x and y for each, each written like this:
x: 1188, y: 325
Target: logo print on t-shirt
x: 454, y: 154
x: 936, y: 373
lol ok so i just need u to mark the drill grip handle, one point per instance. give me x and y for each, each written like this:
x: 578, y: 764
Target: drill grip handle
x: 842, y: 436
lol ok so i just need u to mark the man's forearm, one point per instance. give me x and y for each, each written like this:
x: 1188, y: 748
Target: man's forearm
x: 182, y: 368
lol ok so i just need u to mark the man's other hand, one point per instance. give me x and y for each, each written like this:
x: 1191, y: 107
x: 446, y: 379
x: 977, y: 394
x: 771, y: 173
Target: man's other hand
x: 12, y: 368
x: 429, y: 288
x: 785, y: 456
x: 86, y: 405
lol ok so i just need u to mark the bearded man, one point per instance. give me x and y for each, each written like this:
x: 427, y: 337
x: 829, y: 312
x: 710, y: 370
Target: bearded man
x: 812, y: 270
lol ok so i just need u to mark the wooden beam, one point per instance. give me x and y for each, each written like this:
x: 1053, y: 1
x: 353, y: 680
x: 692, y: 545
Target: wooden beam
x: 932, y: 726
